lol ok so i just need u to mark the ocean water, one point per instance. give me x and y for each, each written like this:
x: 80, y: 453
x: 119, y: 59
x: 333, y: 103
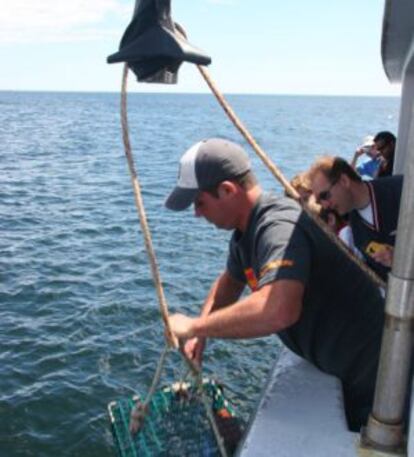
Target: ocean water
x: 79, y: 316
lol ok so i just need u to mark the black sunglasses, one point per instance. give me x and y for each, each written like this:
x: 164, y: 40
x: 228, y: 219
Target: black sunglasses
x: 381, y: 146
x: 326, y: 194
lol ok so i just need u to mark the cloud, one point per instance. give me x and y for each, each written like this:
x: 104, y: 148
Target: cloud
x: 58, y: 20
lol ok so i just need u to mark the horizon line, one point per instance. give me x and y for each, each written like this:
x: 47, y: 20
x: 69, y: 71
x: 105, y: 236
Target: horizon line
x: 63, y: 91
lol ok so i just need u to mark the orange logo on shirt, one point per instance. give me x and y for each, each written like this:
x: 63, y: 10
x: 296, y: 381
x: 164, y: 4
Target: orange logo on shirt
x: 251, y: 278
x: 253, y: 282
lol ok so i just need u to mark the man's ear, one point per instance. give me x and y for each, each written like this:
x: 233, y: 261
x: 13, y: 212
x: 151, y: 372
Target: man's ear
x: 226, y: 188
x: 344, y: 180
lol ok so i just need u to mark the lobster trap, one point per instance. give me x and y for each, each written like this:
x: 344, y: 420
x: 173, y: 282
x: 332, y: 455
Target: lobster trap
x: 176, y: 423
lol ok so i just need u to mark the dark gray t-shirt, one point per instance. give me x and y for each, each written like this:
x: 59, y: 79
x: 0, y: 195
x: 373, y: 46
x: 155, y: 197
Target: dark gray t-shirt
x: 341, y: 323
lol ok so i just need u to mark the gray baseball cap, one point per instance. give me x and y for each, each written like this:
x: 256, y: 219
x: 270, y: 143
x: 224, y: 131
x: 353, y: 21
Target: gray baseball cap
x: 204, y: 166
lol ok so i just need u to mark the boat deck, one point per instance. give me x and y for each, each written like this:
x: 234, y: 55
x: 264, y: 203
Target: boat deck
x: 298, y: 403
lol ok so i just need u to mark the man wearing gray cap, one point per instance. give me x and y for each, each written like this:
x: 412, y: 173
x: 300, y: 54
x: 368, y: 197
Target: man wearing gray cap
x: 302, y: 286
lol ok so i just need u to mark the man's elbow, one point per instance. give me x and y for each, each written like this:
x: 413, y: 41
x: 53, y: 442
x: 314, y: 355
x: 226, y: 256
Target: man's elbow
x: 284, y: 317
x: 282, y: 304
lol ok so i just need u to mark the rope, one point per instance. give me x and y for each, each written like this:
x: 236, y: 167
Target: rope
x: 141, y: 213
x: 138, y: 413
x: 285, y: 183
x: 139, y: 410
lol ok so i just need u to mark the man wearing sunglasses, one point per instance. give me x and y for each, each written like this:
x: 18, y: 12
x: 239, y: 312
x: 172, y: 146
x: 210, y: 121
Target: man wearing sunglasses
x: 370, y: 159
x: 371, y: 206
x: 384, y: 143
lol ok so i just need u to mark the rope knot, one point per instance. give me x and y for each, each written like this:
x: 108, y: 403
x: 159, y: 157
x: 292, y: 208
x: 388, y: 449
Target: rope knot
x: 137, y: 416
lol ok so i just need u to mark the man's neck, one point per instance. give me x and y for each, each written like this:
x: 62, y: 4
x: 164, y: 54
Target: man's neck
x: 250, y: 200
x: 360, y: 195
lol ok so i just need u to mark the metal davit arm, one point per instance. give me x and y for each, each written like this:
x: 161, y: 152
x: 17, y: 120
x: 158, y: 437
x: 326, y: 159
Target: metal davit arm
x: 386, y: 423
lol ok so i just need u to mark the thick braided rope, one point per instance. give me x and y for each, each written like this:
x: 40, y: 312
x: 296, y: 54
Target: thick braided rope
x: 139, y: 414
x: 285, y: 183
x: 141, y: 211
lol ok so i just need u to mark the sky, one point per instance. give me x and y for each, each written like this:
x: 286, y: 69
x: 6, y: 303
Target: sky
x: 323, y: 47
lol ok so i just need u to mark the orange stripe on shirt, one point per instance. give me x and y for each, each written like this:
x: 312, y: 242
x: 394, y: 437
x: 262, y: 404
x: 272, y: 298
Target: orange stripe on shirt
x: 276, y: 264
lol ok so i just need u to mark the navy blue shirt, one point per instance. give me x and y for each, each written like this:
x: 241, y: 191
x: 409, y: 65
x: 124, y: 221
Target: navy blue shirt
x: 385, y: 197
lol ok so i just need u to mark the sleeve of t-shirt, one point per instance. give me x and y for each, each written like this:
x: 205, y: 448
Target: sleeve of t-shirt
x: 364, y: 168
x: 282, y: 251
x: 234, y: 263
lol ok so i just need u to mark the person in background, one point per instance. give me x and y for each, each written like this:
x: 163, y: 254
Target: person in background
x: 372, y: 207
x: 302, y: 286
x: 301, y: 183
x: 369, y: 158
x: 385, y: 144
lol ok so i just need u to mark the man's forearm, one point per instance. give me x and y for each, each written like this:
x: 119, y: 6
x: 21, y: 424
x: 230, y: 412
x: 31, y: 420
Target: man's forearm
x: 224, y: 291
x: 243, y: 319
x: 355, y: 159
x: 270, y: 309
x: 259, y: 314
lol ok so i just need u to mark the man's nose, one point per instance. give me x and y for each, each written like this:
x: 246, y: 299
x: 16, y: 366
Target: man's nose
x: 326, y: 204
